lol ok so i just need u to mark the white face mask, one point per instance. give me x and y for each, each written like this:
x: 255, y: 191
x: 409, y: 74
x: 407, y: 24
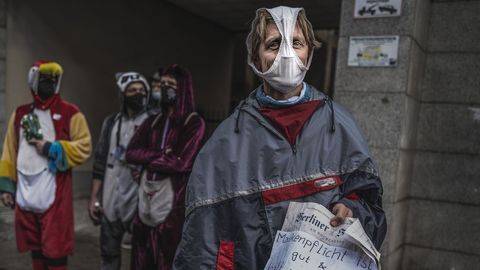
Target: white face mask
x: 287, y: 70
x: 157, y: 95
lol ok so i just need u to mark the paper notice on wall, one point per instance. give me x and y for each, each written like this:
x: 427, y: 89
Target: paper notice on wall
x: 377, y: 8
x: 373, y: 51
x: 307, y: 241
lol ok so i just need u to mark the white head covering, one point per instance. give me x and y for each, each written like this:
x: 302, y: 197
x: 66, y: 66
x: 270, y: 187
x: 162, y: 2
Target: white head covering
x: 44, y: 67
x: 287, y: 70
x: 126, y: 78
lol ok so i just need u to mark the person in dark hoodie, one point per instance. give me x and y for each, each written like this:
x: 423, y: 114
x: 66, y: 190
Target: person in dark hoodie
x: 113, y: 199
x: 285, y: 142
x: 165, y: 146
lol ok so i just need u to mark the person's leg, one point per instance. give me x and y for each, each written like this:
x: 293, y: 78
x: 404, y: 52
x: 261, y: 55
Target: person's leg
x: 57, y: 263
x: 142, y: 250
x: 111, y: 234
x: 28, y: 236
x: 127, y: 241
x: 39, y: 261
x: 169, y: 236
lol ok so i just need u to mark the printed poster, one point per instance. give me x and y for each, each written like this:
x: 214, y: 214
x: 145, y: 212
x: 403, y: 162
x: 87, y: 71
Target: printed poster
x: 373, y: 51
x: 377, y: 8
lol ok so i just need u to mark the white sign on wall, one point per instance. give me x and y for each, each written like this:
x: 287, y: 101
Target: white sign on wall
x: 377, y: 8
x: 373, y: 51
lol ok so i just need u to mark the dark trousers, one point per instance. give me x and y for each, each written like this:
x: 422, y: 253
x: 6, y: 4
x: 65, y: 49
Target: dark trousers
x: 111, y: 235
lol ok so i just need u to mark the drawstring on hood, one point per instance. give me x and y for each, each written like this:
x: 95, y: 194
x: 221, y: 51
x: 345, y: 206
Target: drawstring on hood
x: 326, y: 100
x: 237, y: 118
x: 330, y: 105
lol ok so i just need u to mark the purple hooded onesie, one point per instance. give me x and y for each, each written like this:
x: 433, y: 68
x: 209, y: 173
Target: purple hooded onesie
x: 165, y: 146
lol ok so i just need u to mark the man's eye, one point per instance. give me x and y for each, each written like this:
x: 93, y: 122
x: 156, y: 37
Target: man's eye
x: 297, y: 44
x: 273, y: 45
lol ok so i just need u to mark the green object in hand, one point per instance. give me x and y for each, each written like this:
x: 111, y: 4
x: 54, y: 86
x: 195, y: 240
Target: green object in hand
x: 31, y: 127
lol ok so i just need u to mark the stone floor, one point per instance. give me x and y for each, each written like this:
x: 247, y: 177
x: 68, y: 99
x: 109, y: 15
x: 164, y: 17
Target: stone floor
x: 87, y: 251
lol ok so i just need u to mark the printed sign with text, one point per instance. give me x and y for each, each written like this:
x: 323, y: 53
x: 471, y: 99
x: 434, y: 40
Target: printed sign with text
x: 377, y: 8
x: 373, y: 51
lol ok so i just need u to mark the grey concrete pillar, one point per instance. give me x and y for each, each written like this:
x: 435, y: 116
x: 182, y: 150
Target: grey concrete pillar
x: 385, y: 103
x: 443, y: 221
x: 3, y: 35
x: 6, y: 215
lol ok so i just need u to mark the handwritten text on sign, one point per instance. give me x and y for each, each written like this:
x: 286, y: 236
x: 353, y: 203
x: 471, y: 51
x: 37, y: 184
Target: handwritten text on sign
x: 299, y: 250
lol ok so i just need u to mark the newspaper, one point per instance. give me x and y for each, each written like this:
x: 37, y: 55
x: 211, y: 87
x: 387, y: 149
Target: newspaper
x: 308, y: 241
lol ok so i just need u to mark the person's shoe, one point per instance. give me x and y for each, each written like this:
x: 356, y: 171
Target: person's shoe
x: 127, y: 241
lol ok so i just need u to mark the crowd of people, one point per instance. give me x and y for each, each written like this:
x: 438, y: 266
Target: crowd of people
x: 180, y: 202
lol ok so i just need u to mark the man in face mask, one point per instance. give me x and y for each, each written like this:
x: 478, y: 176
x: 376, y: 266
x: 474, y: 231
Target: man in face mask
x: 46, y: 86
x: 113, y: 199
x: 283, y: 143
x: 44, y: 140
x: 168, y: 88
x: 165, y: 145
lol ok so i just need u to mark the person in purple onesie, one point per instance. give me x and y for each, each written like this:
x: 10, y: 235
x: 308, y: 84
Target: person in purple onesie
x: 164, y: 147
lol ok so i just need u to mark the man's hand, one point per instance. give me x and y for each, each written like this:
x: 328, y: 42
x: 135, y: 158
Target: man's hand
x: 7, y: 200
x: 135, y: 175
x: 39, y: 144
x: 95, y: 211
x: 341, y: 211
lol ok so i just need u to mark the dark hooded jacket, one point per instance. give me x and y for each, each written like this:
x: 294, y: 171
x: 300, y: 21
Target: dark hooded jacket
x: 247, y: 173
x: 181, y: 134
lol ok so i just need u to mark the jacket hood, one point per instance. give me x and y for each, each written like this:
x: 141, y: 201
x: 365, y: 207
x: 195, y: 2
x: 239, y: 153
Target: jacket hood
x: 184, y: 104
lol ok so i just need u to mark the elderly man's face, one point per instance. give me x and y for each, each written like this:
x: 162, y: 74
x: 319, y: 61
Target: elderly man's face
x: 270, y: 46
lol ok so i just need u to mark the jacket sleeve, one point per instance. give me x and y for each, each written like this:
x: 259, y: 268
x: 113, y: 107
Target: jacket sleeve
x: 180, y: 158
x: 101, y: 150
x: 367, y: 207
x: 138, y: 151
x: 79, y: 147
x: 8, y: 171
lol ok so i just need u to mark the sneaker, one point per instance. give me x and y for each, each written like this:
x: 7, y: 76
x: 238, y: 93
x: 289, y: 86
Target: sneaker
x: 127, y: 241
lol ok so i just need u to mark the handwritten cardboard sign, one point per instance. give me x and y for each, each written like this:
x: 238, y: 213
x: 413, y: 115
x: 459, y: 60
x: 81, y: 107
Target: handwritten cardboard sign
x: 307, y: 241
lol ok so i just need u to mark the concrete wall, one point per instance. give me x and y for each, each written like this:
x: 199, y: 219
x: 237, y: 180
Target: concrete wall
x: 422, y: 122
x: 444, y: 215
x: 6, y: 215
x: 3, y: 43
x: 385, y: 102
x: 93, y: 40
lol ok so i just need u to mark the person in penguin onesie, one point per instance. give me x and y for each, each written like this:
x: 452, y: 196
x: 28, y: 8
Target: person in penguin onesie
x: 113, y: 199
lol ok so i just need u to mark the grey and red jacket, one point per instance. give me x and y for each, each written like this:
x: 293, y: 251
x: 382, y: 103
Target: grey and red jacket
x: 247, y: 173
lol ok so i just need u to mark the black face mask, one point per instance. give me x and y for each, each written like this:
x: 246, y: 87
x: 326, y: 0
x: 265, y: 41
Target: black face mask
x: 46, y: 88
x: 135, y: 102
x: 169, y: 95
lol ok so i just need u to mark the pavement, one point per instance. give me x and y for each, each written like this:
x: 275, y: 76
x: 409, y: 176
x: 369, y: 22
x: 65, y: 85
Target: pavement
x: 87, y: 246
